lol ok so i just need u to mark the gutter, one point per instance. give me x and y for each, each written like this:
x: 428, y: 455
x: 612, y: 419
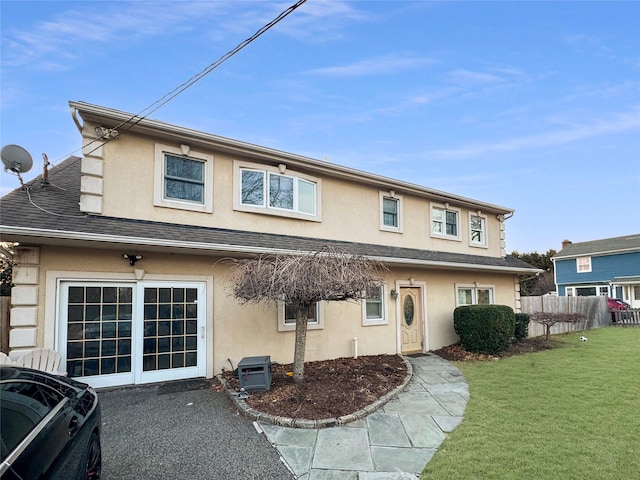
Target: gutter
x: 597, y: 254
x: 213, y: 247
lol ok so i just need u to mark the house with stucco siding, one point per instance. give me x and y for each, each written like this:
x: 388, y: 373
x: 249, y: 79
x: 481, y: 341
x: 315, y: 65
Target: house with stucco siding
x: 120, y: 253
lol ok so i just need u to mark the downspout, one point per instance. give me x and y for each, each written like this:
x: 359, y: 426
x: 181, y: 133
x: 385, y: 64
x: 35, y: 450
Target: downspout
x: 74, y: 115
x: 355, y: 347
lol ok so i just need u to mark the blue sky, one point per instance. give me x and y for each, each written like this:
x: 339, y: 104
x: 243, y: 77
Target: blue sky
x: 530, y: 105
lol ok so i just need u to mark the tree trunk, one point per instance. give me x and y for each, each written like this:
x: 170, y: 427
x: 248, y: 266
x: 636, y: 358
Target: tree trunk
x: 547, y: 332
x: 301, y: 340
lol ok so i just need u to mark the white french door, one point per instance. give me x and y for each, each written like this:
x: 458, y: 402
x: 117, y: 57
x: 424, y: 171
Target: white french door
x: 132, y: 332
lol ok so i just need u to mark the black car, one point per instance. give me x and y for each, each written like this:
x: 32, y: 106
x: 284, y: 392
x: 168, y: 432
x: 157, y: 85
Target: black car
x: 49, y: 426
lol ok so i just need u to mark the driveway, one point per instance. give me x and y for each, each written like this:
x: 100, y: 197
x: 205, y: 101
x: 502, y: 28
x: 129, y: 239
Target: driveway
x: 182, y: 430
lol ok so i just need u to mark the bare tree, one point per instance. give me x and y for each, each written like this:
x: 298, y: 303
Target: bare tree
x: 549, y: 319
x: 300, y: 280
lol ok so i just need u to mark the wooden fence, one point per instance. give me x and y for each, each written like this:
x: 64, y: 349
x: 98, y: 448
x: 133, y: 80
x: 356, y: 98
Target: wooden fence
x: 5, y: 306
x: 594, y: 309
x: 626, y: 317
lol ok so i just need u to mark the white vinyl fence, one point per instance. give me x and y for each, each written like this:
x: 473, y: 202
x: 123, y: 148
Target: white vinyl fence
x: 594, y: 309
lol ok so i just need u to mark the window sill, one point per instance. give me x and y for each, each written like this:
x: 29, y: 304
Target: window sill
x: 375, y: 322
x: 446, y: 237
x: 178, y: 205
x: 278, y: 213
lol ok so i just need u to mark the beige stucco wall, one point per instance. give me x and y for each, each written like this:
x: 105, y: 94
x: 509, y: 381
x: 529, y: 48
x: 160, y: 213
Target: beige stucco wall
x: 235, y: 331
x: 350, y: 210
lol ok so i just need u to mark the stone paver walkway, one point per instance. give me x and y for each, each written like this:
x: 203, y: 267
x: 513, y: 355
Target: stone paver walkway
x: 393, y: 443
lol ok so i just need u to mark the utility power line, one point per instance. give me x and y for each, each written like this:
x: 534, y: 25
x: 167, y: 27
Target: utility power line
x: 137, y: 118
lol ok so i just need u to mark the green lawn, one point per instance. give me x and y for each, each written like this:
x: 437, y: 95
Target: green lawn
x: 568, y: 413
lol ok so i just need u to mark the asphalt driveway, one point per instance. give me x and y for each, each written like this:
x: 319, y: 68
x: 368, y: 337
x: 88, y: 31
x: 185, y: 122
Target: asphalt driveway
x: 182, y: 430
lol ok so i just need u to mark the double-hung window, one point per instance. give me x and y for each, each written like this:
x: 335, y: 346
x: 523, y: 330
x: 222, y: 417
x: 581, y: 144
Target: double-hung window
x: 474, y: 295
x: 445, y: 222
x: 264, y: 189
x: 374, y: 308
x: 287, y: 317
x: 390, y: 212
x: 478, y: 230
x: 583, y: 264
x: 183, y: 178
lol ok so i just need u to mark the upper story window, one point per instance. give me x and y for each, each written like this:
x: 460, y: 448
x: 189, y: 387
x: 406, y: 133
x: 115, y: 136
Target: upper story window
x: 478, y: 230
x: 374, y: 307
x: 276, y: 191
x: 583, y: 264
x: 390, y: 212
x: 287, y: 317
x: 183, y: 178
x: 445, y: 222
x: 474, y: 295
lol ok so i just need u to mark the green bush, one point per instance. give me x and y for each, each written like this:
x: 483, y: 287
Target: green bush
x: 522, y: 326
x: 484, y: 328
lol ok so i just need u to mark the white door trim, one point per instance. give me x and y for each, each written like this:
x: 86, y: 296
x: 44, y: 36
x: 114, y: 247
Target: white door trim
x: 422, y: 315
x: 136, y: 376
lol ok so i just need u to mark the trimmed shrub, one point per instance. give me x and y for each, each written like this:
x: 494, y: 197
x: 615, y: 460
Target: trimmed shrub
x: 522, y: 326
x: 484, y: 328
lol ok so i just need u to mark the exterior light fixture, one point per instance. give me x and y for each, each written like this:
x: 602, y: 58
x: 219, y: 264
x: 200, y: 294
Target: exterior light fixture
x: 132, y: 257
x: 394, y: 294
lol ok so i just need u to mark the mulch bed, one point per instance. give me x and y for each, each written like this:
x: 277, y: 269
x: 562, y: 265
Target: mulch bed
x: 331, y: 388
x: 334, y: 388
x: 456, y: 353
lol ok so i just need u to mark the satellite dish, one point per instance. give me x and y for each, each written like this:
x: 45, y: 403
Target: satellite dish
x: 16, y: 159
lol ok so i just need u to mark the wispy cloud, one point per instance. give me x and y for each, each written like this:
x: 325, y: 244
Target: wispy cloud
x: 57, y: 42
x: 468, y: 78
x: 619, y: 123
x: 388, y: 64
x: 88, y: 28
x: 319, y: 21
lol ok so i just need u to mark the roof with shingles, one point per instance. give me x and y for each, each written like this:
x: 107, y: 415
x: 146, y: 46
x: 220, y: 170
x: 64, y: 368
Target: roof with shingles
x: 53, y: 211
x: 625, y: 244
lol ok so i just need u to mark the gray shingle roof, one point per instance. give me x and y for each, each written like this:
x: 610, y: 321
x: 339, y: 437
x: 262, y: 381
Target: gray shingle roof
x: 628, y: 243
x: 53, y: 210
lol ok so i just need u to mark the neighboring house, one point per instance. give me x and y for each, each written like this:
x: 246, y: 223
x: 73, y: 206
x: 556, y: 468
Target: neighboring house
x: 121, y: 262
x: 608, y: 267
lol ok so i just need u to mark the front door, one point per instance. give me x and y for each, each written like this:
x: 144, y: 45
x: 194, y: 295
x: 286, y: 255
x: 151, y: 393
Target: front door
x: 131, y: 333
x: 411, y: 317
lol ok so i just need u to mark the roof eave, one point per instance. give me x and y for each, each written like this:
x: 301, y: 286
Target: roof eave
x: 597, y: 253
x: 99, y: 114
x: 11, y: 233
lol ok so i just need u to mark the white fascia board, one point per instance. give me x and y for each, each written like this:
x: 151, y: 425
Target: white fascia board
x: 598, y: 254
x: 152, y: 242
x: 455, y: 265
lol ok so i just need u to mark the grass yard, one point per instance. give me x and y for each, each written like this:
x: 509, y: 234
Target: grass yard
x: 572, y: 412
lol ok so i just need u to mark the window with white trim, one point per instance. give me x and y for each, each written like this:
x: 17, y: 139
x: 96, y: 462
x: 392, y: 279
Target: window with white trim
x: 183, y: 178
x: 445, y: 222
x: 478, y: 230
x: 583, y: 264
x: 474, y: 295
x: 587, y: 291
x: 390, y: 212
x: 276, y: 191
x: 287, y: 317
x: 374, y: 307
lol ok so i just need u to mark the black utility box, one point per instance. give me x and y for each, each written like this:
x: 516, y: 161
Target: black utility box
x: 254, y: 373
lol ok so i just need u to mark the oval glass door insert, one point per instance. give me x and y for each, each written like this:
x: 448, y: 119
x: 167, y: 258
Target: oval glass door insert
x: 408, y: 310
